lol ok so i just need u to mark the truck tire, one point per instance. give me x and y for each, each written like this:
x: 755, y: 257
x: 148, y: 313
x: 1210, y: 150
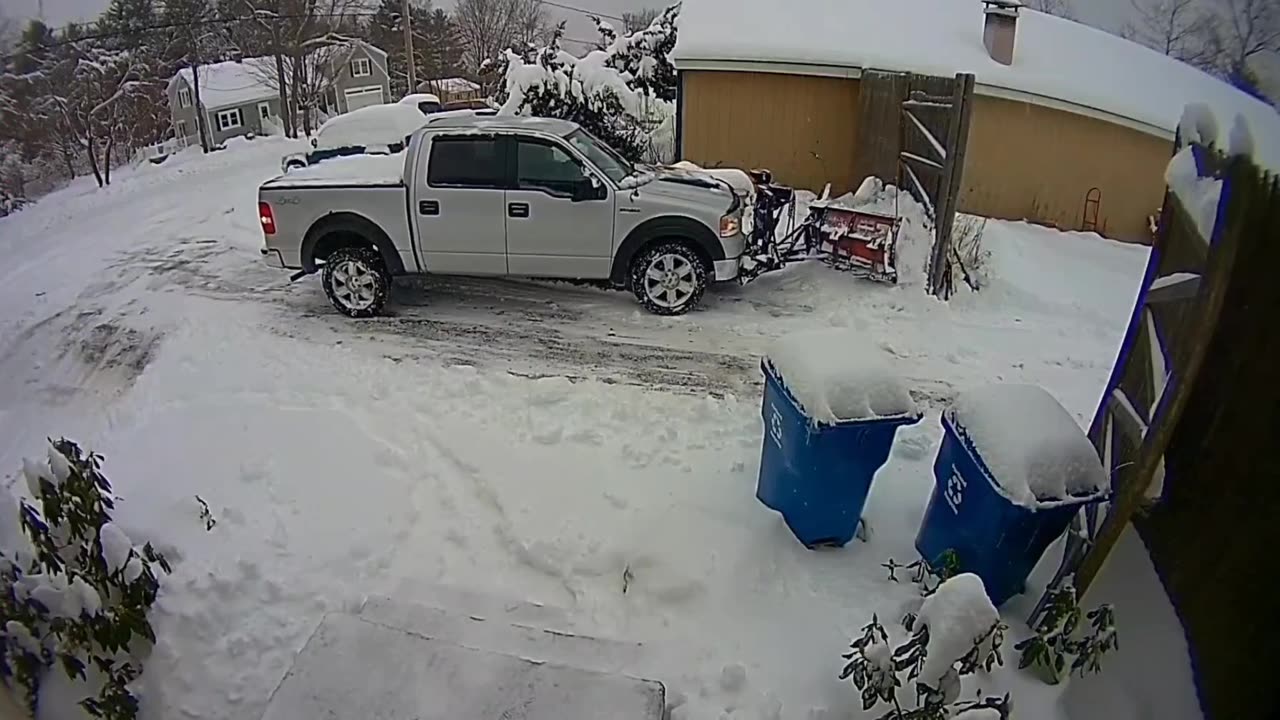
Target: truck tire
x: 668, y: 278
x: 356, y: 281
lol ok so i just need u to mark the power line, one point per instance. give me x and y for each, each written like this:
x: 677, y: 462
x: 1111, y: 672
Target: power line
x: 578, y: 9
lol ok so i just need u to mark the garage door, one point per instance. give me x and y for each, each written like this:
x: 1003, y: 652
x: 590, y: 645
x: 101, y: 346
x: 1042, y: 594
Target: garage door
x: 363, y: 97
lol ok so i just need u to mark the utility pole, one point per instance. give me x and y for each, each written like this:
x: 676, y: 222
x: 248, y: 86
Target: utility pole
x: 408, y: 45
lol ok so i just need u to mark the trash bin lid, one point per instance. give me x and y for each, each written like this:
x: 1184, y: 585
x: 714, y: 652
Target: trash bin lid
x: 1030, y: 444
x: 834, y: 376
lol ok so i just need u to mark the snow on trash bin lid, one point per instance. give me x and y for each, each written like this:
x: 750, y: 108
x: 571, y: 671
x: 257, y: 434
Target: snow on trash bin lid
x: 835, y: 377
x: 1033, y: 447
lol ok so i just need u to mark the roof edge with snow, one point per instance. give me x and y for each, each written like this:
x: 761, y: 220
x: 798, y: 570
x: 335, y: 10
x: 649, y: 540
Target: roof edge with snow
x: 1057, y: 63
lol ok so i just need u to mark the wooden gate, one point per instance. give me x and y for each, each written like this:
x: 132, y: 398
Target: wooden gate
x: 1187, y: 431
x: 914, y: 128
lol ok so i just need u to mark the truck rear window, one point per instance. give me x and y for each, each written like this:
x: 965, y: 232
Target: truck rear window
x: 475, y: 161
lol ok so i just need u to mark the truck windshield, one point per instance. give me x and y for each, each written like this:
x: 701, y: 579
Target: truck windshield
x: 601, y: 155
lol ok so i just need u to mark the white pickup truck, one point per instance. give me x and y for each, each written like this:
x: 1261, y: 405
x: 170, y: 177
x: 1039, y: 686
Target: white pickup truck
x: 491, y: 195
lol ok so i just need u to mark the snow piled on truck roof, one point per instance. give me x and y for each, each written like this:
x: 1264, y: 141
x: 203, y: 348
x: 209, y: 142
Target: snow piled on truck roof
x: 1055, y: 58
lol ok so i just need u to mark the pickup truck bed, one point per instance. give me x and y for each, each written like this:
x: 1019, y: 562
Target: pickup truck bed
x: 363, y: 186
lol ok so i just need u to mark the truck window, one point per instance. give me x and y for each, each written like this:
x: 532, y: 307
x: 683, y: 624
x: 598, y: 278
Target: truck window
x: 541, y: 165
x: 469, y: 162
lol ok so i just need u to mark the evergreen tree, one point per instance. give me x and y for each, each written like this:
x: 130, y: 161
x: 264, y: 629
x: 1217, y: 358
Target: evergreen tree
x: 572, y: 89
x: 644, y: 56
x: 132, y: 24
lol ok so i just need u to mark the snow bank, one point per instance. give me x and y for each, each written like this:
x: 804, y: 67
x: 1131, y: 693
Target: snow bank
x: 957, y: 614
x: 372, y: 169
x: 834, y: 377
x: 1055, y: 57
x: 1030, y: 443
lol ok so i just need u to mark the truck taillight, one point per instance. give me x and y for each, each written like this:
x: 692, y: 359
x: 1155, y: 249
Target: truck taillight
x: 267, y: 218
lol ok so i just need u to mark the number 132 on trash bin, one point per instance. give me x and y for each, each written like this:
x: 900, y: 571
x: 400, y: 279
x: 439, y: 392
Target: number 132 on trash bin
x: 775, y: 425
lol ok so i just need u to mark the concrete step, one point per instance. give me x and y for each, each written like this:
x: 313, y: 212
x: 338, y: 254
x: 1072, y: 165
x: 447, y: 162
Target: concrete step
x: 354, y: 667
x: 523, y: 630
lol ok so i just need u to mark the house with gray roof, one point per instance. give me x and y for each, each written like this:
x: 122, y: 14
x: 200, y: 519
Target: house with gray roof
x: 238, y: 97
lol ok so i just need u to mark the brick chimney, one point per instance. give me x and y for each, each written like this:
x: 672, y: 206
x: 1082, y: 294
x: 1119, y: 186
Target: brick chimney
x: 1000, y: 29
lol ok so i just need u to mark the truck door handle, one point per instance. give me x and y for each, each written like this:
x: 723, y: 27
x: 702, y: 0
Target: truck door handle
x: 518, y: 210
x: 428, y: 207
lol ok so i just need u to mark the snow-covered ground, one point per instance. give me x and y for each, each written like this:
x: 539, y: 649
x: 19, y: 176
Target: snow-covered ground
x: 532, y: 441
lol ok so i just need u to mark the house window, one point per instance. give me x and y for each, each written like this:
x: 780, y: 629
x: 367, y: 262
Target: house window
x: 229, y: 119
x: 182, y: 129
x: 184, y: 97
x: 361, y: 67
x: 264, y: 111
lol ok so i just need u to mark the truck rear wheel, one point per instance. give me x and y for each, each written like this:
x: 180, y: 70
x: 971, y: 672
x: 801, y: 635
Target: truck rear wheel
x: 356, y: 281
x: 668, y: 278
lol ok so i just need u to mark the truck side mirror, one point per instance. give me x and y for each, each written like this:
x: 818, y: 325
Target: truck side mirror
x: 588, y: 188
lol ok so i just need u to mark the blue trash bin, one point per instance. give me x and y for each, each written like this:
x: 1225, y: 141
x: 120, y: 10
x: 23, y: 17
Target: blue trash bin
x: 819, y: 476
x: 991, y: 536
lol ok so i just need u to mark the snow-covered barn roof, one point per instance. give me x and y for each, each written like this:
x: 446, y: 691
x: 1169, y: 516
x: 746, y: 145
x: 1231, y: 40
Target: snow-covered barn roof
x: 233, y: 83
x: 1055, y: 60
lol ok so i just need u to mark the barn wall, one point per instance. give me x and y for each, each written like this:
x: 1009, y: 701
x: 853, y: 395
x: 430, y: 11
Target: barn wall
x: 1038, y: 163
x: 800, y: 127
x: 1024, y: 161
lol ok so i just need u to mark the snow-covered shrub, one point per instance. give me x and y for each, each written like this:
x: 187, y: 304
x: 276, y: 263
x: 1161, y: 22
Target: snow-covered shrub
x: 956, y: 632
x: 549, y: 82
x: 644, y: 56
x: 620, y: 93
x: 968, y: 253
x: 1061, y: 638
x: 75, y: 590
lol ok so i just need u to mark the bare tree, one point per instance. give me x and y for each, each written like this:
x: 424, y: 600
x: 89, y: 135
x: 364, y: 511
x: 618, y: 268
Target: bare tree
x: 639, y: 20
x: 1061, y: 8
x: 1243, y: 29
x: 8, y: 33
x: 1177, y: 28
x: 294, y: 30
x: 487, y: 27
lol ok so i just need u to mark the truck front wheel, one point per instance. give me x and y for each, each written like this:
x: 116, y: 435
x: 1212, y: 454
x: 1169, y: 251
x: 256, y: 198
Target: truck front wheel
x: 668, y: 278
x: 356, y: 281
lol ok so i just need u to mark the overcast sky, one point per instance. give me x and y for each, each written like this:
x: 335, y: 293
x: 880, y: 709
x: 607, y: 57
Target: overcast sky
x: 1109, y: 14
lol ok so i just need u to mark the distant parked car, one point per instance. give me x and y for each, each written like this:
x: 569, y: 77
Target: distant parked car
x: 377, y: 129
x: 425, y: 102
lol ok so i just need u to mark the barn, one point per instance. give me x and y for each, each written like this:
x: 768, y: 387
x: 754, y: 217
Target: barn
x: 1070, y: 126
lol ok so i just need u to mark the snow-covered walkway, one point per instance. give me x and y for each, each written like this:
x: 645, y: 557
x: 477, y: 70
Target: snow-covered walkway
x: 533, y: 441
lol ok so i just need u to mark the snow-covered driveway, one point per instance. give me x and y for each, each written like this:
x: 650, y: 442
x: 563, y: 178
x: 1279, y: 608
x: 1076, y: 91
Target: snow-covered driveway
x: 536, y: 441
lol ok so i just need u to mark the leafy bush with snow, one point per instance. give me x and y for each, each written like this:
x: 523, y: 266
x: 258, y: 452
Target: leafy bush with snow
x: 618, y: 93
x: 956, y: 632
x: 75, y: 591
x: 1061, y: 638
